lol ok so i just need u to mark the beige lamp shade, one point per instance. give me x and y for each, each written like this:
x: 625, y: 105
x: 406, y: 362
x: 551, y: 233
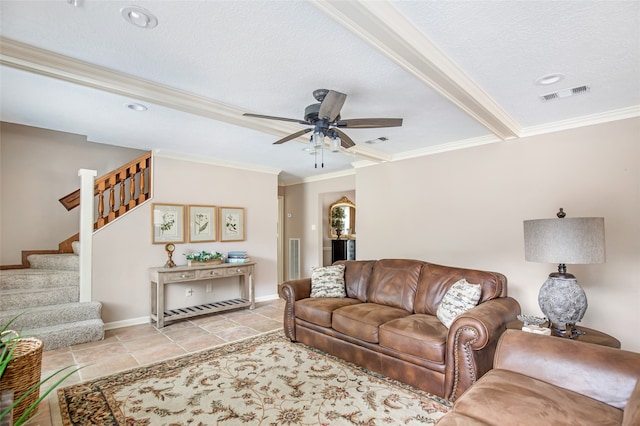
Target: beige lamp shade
x: 577, y: 240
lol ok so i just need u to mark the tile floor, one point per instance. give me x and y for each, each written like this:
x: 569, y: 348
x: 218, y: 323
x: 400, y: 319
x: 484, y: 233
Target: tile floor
x: 129, y: 347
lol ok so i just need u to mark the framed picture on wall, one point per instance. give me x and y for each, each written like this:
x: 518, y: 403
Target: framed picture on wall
x: 232, y: 224
x: 167, y: 223
x: 202, y: 223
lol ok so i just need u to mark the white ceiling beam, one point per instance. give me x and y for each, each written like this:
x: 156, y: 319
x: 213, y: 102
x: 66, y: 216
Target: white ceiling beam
x: 382, y: 26
x: 43, y: 62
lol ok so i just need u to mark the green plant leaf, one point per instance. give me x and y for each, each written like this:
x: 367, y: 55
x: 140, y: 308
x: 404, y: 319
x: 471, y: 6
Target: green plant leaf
x: 34, y: 388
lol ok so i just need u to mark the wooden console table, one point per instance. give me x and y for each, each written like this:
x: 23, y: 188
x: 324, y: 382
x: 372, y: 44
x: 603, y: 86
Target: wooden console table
x: 165, y: 276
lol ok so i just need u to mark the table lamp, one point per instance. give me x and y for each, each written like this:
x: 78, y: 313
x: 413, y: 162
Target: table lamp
x: 578, y: 240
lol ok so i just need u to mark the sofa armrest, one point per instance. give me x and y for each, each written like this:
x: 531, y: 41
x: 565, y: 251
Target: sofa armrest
x: 291, y: 291
x: 472, y: 340
x: 606, y: 374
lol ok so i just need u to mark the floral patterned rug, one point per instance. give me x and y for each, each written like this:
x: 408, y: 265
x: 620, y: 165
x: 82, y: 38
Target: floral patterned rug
x: 264, y: 380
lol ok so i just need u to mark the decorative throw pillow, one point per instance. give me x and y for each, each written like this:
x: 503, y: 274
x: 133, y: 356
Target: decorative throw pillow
x: 328, y: 281
x: 461, y: 297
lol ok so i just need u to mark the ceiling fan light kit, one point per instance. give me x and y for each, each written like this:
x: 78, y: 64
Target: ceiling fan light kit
x: 325, y: 118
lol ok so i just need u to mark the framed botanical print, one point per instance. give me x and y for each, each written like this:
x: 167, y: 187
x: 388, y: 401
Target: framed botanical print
x: 232, y: 224
x: 167, y: 222
x: 202, y: 223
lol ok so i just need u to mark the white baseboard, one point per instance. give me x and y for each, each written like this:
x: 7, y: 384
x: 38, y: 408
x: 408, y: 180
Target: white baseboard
x: 147, y: 320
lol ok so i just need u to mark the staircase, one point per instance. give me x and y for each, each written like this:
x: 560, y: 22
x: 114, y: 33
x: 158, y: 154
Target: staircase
x: 45, y: 287
x: 47, y: 297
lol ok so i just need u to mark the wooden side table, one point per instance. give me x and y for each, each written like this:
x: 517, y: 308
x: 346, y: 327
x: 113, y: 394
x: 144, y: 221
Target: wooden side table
x: 587, y: 335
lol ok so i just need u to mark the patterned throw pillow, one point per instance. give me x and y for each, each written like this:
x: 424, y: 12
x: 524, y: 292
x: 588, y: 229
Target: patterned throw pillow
x: 461, y: 297
x: 328, y: 281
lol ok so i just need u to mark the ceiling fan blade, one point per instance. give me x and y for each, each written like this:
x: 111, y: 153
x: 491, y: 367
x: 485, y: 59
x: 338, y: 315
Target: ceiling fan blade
x: 270, y: 117
x: 331, y: 105
x: 292, y: 136
x: 370, y: 123
x: 345, y: 140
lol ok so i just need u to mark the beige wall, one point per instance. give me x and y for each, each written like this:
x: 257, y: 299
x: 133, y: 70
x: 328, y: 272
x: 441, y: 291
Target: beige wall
x: 123, y: 251
x: 38, y: 167
x: 305, y: 214
x: 466, y: 208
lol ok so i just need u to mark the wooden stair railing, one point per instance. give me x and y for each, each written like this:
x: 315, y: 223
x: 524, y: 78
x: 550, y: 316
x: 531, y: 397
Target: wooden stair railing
x: 130, y: 184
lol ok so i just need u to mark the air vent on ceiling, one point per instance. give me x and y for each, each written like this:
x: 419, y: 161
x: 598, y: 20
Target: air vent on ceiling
x: 377, y: 140
x: 565, y: 93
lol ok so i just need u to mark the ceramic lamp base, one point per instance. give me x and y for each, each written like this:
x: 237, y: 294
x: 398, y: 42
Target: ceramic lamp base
x: 563, y: 302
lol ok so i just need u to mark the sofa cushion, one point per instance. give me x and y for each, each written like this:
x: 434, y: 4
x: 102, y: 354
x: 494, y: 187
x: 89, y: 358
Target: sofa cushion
x: 435, y: 280
x: 461, y: 297
x: 420, y: 335
x: 362, y: 320
x: 357, y: 274
x: 501, y: 397
x: 320, y: 310
x: 394, y: 283
x: 328, y: 281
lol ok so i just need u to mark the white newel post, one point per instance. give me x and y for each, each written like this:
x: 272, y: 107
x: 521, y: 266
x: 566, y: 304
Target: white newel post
x: 86, y: 232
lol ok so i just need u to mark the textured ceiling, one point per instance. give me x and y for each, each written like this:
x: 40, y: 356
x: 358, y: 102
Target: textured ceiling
x: 459, y: 73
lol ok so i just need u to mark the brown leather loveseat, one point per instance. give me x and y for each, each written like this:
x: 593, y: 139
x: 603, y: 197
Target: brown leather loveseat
x: 387, y: 322
x: 545, y: 380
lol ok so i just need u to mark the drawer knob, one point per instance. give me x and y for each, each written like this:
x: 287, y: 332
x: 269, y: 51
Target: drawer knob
x: 238, y: 270
x: 183, y: 275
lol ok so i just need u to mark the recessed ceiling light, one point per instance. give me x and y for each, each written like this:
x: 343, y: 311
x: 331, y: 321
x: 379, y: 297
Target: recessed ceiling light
x: 548, y: 79
x: 137, y: 107
x: 139, y: 17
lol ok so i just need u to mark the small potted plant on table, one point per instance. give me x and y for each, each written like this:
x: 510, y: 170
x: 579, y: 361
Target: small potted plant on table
x: 204, y: 258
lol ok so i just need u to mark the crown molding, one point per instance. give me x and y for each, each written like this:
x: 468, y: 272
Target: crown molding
x: 382, y: 26
x: 588, y: 120
x: 319, y: 178
x: 43, y: 62
x: 214, y: 162
x: 446, y: 147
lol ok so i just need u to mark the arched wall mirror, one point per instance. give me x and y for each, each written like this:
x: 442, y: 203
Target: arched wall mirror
x: 342, y: 216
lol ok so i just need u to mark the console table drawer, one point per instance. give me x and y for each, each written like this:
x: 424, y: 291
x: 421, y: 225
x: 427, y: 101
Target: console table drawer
x: 238, y: 270
x: 212, y: 273
x: 179, y: 276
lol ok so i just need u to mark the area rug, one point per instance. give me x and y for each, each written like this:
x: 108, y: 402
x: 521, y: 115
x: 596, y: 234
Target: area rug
x: 264, y: 380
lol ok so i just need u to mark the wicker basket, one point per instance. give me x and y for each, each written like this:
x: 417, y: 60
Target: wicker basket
x: 23, y: 372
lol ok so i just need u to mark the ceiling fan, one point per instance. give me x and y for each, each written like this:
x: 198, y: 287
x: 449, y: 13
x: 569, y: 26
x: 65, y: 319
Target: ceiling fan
x: 325, y: 118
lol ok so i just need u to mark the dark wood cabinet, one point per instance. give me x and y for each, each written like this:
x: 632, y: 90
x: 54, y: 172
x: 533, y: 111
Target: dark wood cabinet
x: 343, y: 250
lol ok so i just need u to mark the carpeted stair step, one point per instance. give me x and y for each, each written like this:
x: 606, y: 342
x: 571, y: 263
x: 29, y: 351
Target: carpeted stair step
x: 36, y: 317
x: 63, y: 335
x: 47, y: 296
x: 59, y: 262
x: 11, y: 300
x: 28, y: 279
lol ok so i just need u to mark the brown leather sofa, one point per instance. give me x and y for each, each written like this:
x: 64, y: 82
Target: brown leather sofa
x: 388, y: 324
x: 544, y: 380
